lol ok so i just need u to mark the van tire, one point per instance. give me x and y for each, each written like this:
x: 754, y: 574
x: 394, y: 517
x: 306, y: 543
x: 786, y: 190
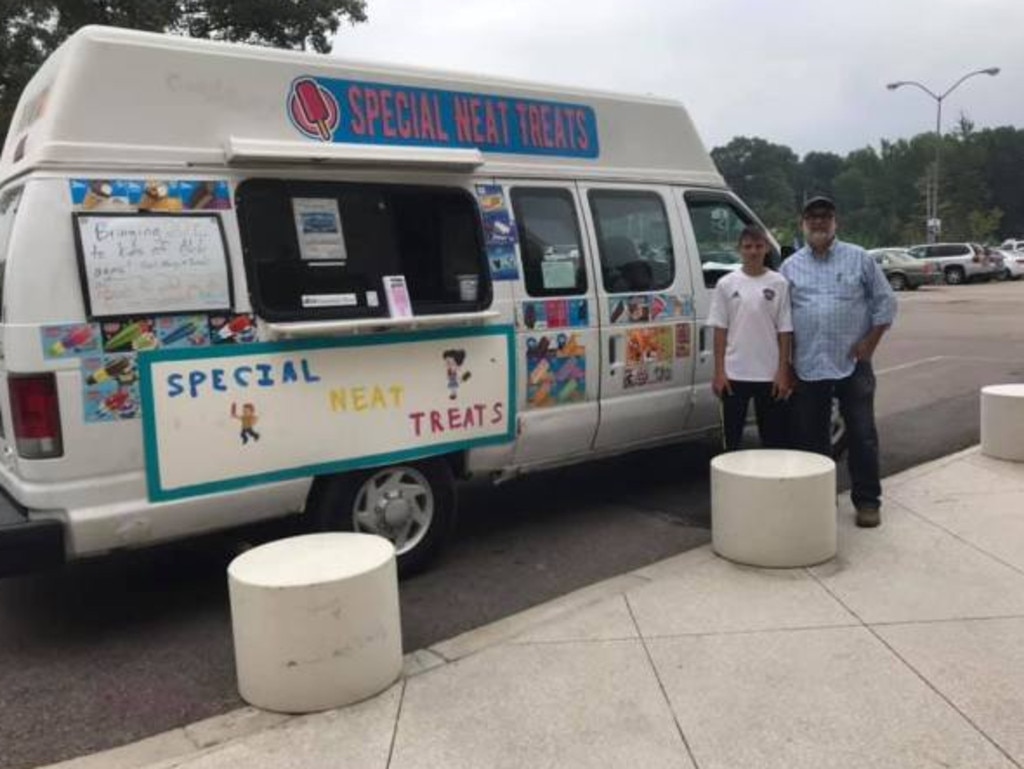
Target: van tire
x: 422, y: 515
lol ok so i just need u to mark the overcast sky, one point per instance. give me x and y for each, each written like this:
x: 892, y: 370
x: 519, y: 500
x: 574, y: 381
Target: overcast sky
x: 808, y: 74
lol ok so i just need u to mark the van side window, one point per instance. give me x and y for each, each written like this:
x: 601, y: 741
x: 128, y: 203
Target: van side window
x: 549, y: 241
x: 431, y: 235
x: 9, y: 200
x: 633, y: 240
x: 717, y: 225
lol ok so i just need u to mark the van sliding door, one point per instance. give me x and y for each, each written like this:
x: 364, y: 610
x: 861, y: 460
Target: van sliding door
x: 556, y: 324
x: 645, y: 307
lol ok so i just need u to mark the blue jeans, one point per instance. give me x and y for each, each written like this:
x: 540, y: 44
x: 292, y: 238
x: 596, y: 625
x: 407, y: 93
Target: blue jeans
x: 772, y: 415
x: 812, y: 410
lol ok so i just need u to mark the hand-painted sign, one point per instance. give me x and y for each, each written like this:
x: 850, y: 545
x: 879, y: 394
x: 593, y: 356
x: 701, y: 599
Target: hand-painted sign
x: 227, y: 417
x: 349, y: 111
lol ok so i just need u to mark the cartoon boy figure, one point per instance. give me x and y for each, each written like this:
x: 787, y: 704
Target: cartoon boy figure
x: 453, y: 360
x: 248, y: 419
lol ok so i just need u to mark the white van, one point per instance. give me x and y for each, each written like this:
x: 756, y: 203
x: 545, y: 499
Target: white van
x: 241, y: 283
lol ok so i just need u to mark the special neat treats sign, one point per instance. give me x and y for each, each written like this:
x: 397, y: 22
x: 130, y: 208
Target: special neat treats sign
x: 220, y: 419
x: 357, y: 112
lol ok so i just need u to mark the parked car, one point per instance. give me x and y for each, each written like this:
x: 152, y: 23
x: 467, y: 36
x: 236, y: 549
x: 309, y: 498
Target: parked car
x: 1012, y: 262
x: 1012, y: 244
x: 904, y: 272
x: 959, y: 262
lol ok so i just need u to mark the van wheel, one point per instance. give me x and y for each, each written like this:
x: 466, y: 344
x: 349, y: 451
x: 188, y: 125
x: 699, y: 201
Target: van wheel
x: 955, y: 276
x: 412, y: 505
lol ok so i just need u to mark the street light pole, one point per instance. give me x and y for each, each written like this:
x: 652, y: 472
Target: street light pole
x: 933, y: 226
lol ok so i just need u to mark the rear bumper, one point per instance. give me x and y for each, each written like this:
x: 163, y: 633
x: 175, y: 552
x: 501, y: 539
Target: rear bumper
x: 25, y: 544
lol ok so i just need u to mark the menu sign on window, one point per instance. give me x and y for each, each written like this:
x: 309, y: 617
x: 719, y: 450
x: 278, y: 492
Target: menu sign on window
x: 136, y: 265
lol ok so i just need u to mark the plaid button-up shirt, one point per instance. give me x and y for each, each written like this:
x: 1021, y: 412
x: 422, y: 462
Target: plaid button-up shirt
x: 837, y: 299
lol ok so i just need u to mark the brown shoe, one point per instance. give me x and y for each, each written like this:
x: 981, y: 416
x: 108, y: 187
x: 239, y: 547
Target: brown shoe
x: 868, y: 517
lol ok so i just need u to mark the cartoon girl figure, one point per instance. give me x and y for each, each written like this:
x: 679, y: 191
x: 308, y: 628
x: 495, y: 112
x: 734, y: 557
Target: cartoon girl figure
x: 453, y: 360
x: 248, y: 419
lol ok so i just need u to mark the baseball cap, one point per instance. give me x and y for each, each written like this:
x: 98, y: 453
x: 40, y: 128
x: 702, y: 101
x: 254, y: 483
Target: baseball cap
x: 819, y: 201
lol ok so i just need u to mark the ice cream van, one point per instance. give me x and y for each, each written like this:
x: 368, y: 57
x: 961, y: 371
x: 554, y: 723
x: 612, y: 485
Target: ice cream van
x: 241, y: 283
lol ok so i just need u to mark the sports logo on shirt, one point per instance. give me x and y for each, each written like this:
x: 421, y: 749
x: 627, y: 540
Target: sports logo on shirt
x: 769, y: 294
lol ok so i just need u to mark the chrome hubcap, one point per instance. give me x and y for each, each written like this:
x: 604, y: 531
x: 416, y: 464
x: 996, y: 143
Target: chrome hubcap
x: 397, y: 504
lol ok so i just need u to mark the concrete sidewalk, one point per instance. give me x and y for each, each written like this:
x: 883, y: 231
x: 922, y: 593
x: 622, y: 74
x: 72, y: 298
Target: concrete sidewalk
x: 905, y: 651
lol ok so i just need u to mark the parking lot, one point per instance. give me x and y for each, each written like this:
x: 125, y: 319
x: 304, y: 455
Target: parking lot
x: 110, y: 652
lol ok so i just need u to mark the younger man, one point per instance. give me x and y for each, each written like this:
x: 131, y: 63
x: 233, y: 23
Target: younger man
x: 753, y: 337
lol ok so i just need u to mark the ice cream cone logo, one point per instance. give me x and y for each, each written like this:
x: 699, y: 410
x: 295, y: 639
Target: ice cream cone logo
x: 313, y: 109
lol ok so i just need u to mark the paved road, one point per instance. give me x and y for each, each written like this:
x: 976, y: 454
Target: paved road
x: 106, y: 653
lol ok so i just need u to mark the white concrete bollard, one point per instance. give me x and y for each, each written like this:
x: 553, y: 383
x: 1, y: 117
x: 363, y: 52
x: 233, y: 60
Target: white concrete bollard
x: 316, y: 621
x: 1002, y: 421
x: 773, y: 507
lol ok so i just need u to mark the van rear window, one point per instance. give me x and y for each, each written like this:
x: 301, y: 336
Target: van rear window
x: 320, y: 250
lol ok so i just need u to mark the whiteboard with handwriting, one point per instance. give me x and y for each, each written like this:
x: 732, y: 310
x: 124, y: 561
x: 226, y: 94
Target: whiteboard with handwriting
x: 143, y: 265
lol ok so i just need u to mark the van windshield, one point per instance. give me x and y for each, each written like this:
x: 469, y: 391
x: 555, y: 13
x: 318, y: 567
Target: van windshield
x: 319, y: 250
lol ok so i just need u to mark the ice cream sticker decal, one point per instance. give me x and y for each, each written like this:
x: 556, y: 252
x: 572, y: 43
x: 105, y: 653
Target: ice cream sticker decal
x: 556, y: 371
x: 499, y: 232
x: 106, y: 352
x: 70, y: 340
x: 313, y: 109
x: 649, y: 355
x: 135, y: 195
x: 272, y: 411
x: 358, y: 112
x: 111, y: 388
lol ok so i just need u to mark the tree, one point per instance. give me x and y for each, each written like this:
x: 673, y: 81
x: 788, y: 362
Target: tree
x: 763, y: 174
x: 1004, y: 161
x: 818, y: 171
x: 30, y: 30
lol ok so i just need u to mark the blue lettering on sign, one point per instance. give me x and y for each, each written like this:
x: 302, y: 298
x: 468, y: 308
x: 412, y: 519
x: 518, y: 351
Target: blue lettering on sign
x: 240, y: 377
x: 355, y: 112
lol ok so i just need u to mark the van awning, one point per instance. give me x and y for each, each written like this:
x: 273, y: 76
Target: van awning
x: 241, y: 150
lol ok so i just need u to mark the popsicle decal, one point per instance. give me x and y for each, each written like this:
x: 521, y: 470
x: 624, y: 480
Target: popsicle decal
x: 107, y: 353
x: 359, y: 112
x: 313, y: 109
x: 71, y: 340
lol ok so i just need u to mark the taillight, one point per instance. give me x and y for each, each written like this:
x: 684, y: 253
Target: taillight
x: 36, y: 415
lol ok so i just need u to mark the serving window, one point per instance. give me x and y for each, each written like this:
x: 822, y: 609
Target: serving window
x: 320, y: 250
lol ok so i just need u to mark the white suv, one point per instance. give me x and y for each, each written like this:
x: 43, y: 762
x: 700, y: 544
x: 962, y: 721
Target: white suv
x: 959, y: 262
x: 1011, y: 244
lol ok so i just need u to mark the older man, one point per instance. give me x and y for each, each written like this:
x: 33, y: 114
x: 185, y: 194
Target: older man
x: 842, y: 304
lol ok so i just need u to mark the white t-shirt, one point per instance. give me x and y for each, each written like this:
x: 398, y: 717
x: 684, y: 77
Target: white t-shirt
x: 755, y: 310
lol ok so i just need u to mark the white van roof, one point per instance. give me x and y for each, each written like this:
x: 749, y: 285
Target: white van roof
x: 121, y: 98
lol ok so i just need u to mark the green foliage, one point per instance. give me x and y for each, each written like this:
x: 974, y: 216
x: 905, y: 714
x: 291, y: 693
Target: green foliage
x: 31, y: 29
x: 881, y: 193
